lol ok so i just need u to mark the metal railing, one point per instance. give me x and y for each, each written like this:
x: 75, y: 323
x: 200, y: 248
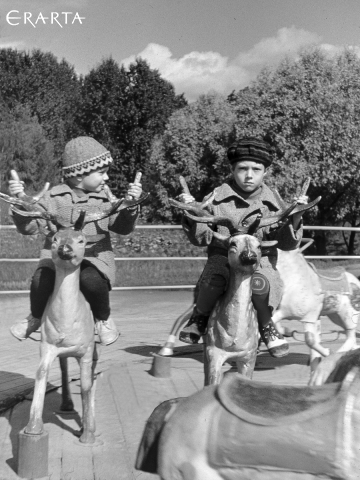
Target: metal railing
x: 179, y: 227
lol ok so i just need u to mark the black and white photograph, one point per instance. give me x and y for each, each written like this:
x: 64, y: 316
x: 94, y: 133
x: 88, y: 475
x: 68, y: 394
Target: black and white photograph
x: 179, y: 239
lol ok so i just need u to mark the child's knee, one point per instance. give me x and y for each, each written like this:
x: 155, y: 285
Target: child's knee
x: 218, y: 281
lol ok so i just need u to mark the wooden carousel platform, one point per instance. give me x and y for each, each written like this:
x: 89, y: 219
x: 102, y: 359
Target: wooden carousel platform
x: 126, y: 391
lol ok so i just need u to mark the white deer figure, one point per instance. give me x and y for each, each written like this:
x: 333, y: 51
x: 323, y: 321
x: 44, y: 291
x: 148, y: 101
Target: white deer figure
x: 67, y: 324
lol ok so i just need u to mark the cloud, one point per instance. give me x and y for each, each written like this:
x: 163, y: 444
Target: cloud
x: 194, y: 73
x: 287, y: 41
x: 16, y: 45
x: 200, y: 72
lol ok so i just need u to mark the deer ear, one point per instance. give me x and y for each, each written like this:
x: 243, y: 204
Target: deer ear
x: 79, y: 224
x: 221, y: 239
x: 269, y: 243
x: 94, y: 238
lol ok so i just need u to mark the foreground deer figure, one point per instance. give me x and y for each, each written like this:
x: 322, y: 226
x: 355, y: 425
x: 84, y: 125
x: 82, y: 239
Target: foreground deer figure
x: 249, y: 430
x: 67, y: 330
x: 67, y: 325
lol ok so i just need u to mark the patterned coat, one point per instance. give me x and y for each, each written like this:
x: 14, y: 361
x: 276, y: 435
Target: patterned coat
x: 228, y: 202
x: 62, y: 200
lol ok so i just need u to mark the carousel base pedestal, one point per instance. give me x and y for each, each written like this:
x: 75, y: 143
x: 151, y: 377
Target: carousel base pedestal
x: 161, y: 366
x: 33, y: 455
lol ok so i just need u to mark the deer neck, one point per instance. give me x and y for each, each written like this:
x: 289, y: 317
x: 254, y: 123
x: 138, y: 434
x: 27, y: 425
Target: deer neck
x: 237, y: 304
x: 66, y: 291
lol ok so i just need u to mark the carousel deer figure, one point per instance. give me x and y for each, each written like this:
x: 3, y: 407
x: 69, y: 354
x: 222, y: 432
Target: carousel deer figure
x: 306, y: 293
x: 67, y: 325
x: 232, y: 328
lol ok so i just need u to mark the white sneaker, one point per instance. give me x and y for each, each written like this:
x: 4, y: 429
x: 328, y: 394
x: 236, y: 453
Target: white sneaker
x: 22, y: 330
x: 107, y: 331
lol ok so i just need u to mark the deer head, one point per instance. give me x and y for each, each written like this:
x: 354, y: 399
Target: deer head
x: 68, y: 244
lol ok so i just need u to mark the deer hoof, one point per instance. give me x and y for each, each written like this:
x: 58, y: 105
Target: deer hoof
x: 36, y: 429
x: 87, y: 437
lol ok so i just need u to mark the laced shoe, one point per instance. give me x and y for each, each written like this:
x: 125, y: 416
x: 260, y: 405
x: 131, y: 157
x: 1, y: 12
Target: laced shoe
x: 107, y: 331
x: 274, y: 341
x: 194, y: 329
x: 23, y: 329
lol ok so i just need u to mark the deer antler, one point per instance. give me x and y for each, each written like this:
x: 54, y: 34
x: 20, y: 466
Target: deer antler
x: 190, y: 207
x: 227, y: 222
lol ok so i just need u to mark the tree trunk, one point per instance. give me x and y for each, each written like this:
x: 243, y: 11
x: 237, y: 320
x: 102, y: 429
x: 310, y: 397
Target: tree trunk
x: 320, y: 243
x: 351, y: 246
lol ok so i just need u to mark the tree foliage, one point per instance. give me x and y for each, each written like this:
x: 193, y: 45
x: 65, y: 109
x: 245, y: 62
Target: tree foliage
x: 49, y: 89
x: 193, y: 145
x: 25, y: 148
x: 124, y: 109
x: 309, y: 110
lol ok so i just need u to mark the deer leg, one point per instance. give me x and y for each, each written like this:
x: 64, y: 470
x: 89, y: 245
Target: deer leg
x: 312, y: 339
x: 35, y: 425
x: 215, y: 362
x: 350, y: 342
x: 66, y: 404
x: 246, y: 368
x: 96, y: 356
x: 86, y: 381
x: 346, y: 317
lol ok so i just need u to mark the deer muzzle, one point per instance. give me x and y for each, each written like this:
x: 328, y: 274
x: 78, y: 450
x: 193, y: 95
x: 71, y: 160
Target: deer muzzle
x: 248, y: 257
x: 65, y: 252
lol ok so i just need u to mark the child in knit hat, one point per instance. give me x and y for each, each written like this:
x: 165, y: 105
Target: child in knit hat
x: 242, y: 199
x: 85, y: 170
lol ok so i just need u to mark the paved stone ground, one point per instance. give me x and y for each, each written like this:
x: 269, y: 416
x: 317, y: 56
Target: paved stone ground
x: 126, y: 392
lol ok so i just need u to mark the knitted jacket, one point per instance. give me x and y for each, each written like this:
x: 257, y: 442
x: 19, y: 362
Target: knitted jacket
x: 63, y: 201
x: 228, y: 202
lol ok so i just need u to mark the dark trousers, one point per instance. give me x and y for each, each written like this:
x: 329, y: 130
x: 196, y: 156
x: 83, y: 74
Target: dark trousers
x: 93, y: 285
x: 211, y: 289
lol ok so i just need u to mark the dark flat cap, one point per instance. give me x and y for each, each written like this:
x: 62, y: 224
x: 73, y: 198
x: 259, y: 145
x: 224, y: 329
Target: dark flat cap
x: 253, y: 149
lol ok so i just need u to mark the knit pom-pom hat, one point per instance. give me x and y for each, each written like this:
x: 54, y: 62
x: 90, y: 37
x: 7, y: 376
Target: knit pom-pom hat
x: 84, y: 155
x: 250, y: 148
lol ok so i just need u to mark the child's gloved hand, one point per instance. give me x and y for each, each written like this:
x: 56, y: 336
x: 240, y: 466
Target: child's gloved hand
x: 302, y: 199
x: 16, y: 187
x: 134, y: 190
x: 186, y: 198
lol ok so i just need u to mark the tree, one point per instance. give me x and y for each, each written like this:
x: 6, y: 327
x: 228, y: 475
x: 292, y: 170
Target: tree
x: 25, y: 148
x: 193, y: 145
x: 49, y: 89
x: 124, y: 109
x: 309, y: 110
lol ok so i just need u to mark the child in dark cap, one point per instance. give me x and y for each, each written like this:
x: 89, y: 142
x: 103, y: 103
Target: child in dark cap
x: 242, y: 199
x: 85, y: 170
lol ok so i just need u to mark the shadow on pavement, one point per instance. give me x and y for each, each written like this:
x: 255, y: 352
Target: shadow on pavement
x: 265, y: 361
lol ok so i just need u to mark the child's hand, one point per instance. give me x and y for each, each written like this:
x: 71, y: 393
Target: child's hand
x: 134, y: 190
x: 16, y: 187
x: 186, y: 198
x: 296, y: 218
x: 302, y: 199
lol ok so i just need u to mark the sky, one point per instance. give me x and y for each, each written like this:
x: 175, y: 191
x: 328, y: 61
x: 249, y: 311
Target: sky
x: 197, y: 45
